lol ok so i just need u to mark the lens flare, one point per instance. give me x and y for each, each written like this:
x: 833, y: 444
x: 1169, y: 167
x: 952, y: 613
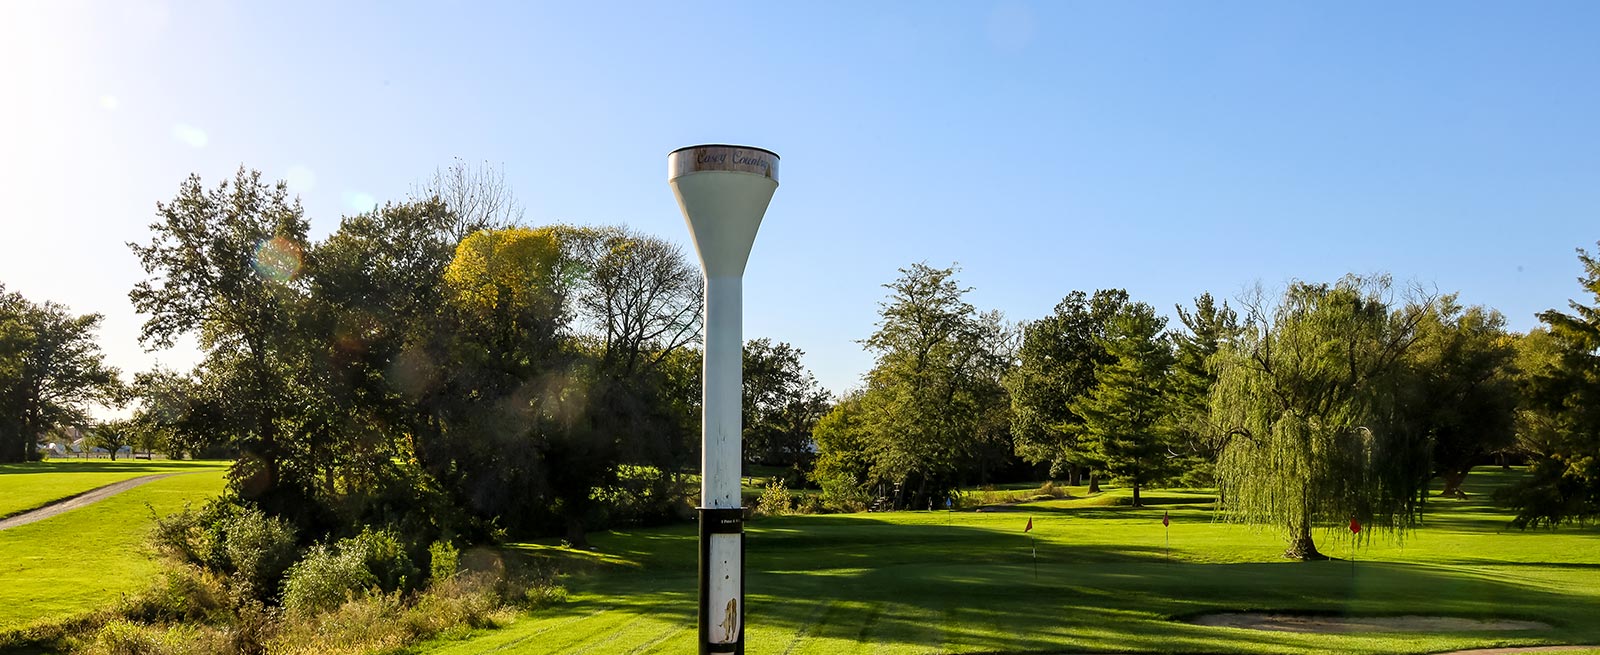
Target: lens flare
x: 277, y: 259
x: 190, y: 135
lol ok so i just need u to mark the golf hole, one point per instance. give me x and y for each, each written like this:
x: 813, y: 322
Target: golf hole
x: 1325, y: 623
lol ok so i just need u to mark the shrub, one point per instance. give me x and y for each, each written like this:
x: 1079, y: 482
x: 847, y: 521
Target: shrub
x: 120, y: 637
x: 254, y: 624
x: 542, y: 595
x: 469, y: 600
x: 259, y: 549
x: 370, y: 624
x: 328, y: 576
x: 774, y: 499
x: 124, y: 638
x: 227, y: 539
x: 385, y: 623
x: 385, y: 558
x: 182, y: 593
x: 323, y: 579
x: 810, y: 504
x: 840, y: 493
x: 193, y: 537
x: 444, y: 559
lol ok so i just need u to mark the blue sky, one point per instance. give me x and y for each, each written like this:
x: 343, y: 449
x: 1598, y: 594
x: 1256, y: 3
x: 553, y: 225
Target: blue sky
x: 1169, y: 148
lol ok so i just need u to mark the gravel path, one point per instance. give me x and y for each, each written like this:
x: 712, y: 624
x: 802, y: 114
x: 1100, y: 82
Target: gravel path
x: 81, y: 500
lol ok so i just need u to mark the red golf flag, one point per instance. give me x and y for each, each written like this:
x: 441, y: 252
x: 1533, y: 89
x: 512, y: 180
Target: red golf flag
x: 1165, y: 519
x: 1030, y: 525
x: 1355, y: 526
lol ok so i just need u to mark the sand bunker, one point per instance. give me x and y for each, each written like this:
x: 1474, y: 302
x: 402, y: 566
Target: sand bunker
x: 1334, y: 624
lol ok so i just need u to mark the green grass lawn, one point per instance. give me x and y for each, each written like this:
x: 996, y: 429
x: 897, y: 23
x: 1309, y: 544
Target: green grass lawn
x: 920, y: 582
x: 86, y: 558
x: 35, y: 484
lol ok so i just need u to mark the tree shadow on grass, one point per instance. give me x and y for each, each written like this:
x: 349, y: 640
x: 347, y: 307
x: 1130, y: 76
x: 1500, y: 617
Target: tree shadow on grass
x: 843, y: 584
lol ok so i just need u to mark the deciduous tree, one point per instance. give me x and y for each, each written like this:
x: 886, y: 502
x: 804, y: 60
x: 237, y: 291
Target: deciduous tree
x: 1056, y: 365
x: 934, y: 394
x: 782, y: 403
x: 1458, y: 388
x: 225, y: 265
x: 51, y: 371
x: 1308, y: 392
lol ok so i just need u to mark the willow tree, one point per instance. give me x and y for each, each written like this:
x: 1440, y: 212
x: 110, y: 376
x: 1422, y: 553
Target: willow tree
x: 1308, y: 394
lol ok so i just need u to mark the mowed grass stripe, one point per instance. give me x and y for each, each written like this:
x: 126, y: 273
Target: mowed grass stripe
x: 841, y: 628
x: 630, y: 626
x: 649, y: 645
x: 790, y: 641
x: 522, y: 636
x: 87, y: 558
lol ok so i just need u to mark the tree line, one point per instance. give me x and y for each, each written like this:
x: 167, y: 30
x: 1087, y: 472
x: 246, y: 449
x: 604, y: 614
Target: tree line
x: 437, y: 366
x: 1307, y: 408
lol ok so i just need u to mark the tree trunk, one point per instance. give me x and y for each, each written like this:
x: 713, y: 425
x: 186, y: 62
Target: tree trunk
x: 1452, y: 484
x: 13, y: 448
x: 1094, y: 481
x: 1302, y: 547
x: 1136, y: 502
x: 1074, y: 475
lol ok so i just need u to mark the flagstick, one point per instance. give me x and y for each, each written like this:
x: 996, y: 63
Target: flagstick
x: 1166, y: 528
x: 1035, y: 548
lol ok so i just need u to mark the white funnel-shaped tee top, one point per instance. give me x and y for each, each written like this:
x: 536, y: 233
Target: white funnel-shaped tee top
x: 723, y: 192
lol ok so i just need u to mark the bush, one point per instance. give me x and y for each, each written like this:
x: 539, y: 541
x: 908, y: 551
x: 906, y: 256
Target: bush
x: 468, y: 600
x: 385, y: 558
x: 324, y: 579
x: 444, y: 559
x: 842, y: 494
x: 227, y: 539
x: 193, y: 537
x: 371, y: 624
x: 774, y: 499
x: 542, y: 595
x: 810, y: 504
x: 183, y: 594
x: 119, y: 637
x: 329, y: 576
x: 259, y: 549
